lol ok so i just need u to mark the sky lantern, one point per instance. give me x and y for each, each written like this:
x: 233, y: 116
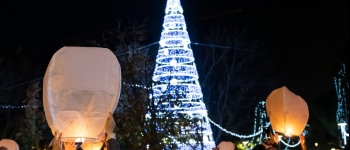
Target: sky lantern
x: 288, y: 113
x: 226, y: 145
x: 9, y: 144
x: 81, y: 85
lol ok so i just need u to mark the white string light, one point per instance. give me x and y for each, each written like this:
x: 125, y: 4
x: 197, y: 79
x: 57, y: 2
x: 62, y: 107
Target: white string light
x: 342, y: 113
x: 16, y: 107
x: 137, y: 85
x: 249, y: 136
x: 288, y: 145
x: 262, y: 118
x: 235, y: 134
x: 191, y: 91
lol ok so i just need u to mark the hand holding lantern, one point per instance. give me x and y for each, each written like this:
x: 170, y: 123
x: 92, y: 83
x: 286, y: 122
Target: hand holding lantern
x: 109, y: 126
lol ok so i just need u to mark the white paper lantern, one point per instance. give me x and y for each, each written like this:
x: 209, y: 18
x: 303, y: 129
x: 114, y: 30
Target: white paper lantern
x: 81, y: 85
x: 288, y: 113
x: 9, y: 144
x: 226, y: 145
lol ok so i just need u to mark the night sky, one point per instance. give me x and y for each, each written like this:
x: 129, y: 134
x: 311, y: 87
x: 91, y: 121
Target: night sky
x: 308, y: 39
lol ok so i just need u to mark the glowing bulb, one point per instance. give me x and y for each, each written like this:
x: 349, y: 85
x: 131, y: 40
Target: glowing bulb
x: 162, y: 43
x: 173, y: 62
x: 173, y: 81
x: 245, y: 143
x: 288, y: 132
x: 80, y: 140
x: 316, y: 144
x: 205, y: 138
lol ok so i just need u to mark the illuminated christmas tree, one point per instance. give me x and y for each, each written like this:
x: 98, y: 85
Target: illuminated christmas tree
x: 176, y: 90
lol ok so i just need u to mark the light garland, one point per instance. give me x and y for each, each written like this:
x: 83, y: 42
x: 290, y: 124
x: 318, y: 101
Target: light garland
x: 171, y: 20
x: 342, y: 113
x: 288, y: 145
x: 235, y: 134
x: 175, y: 35
x: 137, y: 85
x: 16, y: 107
x: 340, y: 86
x: 262, y: 118
x: 192, y: 91
x: 262, y: 114
x: 251, y: 135
x: 180, y: 55
x: 179, y: 72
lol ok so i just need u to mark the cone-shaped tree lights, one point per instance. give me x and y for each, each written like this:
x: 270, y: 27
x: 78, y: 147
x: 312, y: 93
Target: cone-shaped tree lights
x: 175, y: 77
x: 81, y: 85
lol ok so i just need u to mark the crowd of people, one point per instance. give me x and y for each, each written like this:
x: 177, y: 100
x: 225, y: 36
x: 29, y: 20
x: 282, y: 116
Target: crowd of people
x: 270, y: 142
x: 273, y: 143
x: 109, y: 141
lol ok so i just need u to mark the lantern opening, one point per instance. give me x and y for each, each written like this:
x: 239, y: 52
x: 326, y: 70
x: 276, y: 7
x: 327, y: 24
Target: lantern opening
x: 79, y: 140
x: 78, y: 143
x: 288, y: 131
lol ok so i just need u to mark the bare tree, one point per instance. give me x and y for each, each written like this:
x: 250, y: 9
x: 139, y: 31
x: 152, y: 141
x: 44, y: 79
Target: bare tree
x: 15, y: 68
x: 233, y: 71
x: 137, y: 67
x: 31, y: 125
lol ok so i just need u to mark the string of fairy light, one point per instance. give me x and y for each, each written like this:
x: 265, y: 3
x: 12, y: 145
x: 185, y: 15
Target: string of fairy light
x: 262, y: 115
x: 342, y: 86
x: 21, y: 106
